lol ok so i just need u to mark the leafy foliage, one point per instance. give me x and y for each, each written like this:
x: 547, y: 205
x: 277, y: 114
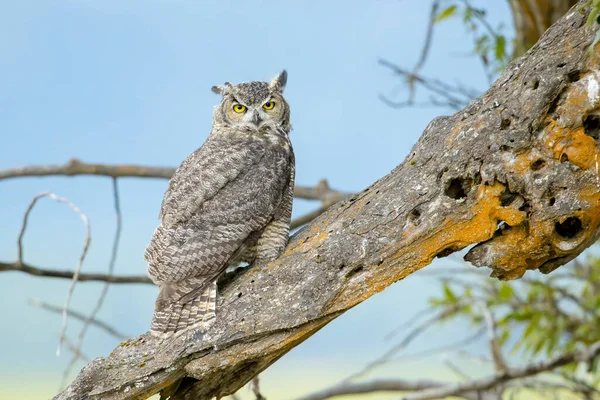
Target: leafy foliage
x: 489, y: 42
x: 539, y: 315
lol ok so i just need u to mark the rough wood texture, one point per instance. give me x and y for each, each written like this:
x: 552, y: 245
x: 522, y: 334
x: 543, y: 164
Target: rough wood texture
x: 515, y: 173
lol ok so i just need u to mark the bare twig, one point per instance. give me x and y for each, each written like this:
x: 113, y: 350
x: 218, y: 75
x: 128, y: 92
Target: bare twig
x: 437, y: 390
x: 255, y: 387
x: 321, y: 192
x: 76, y: 167
x: 410, y: 78
x: 484, y: 22
x: 83, y: 277
x: 456, y: 369
x: 306, y: 218
x: 580, y: 384
x: 414, y: 333
x: 495, y: 348
x: 443, y: 94
x: 395, y: 385
x: 81, y: 317
x: 77, y: 354
x: 86, y: 246
x: 111, y: 268
x: 440, y: 349
x: 489, y: 382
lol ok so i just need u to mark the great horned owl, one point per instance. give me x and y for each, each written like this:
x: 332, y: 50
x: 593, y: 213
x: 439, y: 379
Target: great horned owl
x: 230, y: 201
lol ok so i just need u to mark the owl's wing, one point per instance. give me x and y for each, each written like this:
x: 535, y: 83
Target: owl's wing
x: 206, y: 171
x: 202, y: 244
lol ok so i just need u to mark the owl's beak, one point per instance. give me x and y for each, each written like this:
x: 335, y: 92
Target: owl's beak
x: 256, y: 119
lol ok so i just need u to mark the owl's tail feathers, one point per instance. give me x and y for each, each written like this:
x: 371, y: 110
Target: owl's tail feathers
x: 176, y: 313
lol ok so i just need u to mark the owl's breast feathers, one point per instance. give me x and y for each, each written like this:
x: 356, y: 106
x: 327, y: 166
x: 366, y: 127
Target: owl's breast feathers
x: 223, y: 192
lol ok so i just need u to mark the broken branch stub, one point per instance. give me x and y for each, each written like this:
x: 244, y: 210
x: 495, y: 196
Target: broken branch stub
x: 514, y: 174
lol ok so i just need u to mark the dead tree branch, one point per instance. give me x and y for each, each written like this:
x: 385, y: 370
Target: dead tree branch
x: 81, y: 317
x: 75, y: 167
x: 83, y: 277
x: 111, y: 268
x: 77, y: 271
x: 425, y: 390
x: 524, y: 154
x: 481, y: 384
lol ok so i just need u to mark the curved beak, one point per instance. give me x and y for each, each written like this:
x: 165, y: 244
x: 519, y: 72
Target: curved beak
x: 256, y: 118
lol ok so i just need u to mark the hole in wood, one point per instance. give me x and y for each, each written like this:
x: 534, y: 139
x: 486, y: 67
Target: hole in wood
x: 525, y: 208
x: 354, y: 271
x: 569, y: 228
x: 574, y: 76
x: 564, y: 158
x: 458, y: 188
x: 504, y: 124
x: 414, y: 216
x: 445, y: 252
x: 507, y: 197
x: 502, y: 227
x: 537, y: 164
x: 591, y: 124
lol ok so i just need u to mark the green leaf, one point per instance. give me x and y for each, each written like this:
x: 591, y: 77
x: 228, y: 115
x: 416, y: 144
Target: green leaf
x: 448, y: 12
x: 468, y: 15
x: 500, y: 48
x: 449, y: 293
x: 505, y: 292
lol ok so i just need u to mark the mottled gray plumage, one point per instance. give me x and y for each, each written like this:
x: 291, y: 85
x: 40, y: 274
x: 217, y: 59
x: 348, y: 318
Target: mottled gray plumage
x: 230, y: 201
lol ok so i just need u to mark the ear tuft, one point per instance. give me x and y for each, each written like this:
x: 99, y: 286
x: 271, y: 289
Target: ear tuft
x: 218, y: 89
x: 278, y: 83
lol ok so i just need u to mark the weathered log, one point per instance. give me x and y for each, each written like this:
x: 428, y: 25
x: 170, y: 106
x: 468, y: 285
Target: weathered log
x: 515, y: 174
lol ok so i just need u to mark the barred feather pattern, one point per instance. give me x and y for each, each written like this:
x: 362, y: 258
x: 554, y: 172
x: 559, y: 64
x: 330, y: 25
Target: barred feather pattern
x: 229, y: 201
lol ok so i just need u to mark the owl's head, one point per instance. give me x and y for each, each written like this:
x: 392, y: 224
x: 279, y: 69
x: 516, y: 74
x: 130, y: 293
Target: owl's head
x: 254, y: 106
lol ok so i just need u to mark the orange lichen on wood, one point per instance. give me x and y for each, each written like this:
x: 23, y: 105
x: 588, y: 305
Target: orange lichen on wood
x: 571, y: 145
x: 417, y: 251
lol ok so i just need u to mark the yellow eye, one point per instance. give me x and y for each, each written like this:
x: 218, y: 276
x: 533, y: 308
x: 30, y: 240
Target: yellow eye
x: 269, y: 105
x: 238, y: 108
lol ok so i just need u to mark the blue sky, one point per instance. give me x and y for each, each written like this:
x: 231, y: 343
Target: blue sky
x: 129, y: 82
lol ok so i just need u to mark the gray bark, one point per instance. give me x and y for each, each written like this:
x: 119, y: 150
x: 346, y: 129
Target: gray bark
x: 514, y: 174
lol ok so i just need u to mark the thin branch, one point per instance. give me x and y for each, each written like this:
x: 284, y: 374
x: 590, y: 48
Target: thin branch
x: 84, y: 251
x: 440, y: 349
x: 454, y: 97
x: 81, y: 317
x: 255, y: 387
x: 395, y: 385
x: 77, y: 354
x: 306, y: 218
x: 410, y: 78
x: 111, y: 268
x: 321, y: 192
x: 489, y: 382
x: 456, y: 369
x: 585, y: 386
x: 77, y: 167
x: 484, y: 22
x: 413, y: 334
x: 434, y: 390
x: 428, y: 36
x: 83, y: 277
x: 495, y: 348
